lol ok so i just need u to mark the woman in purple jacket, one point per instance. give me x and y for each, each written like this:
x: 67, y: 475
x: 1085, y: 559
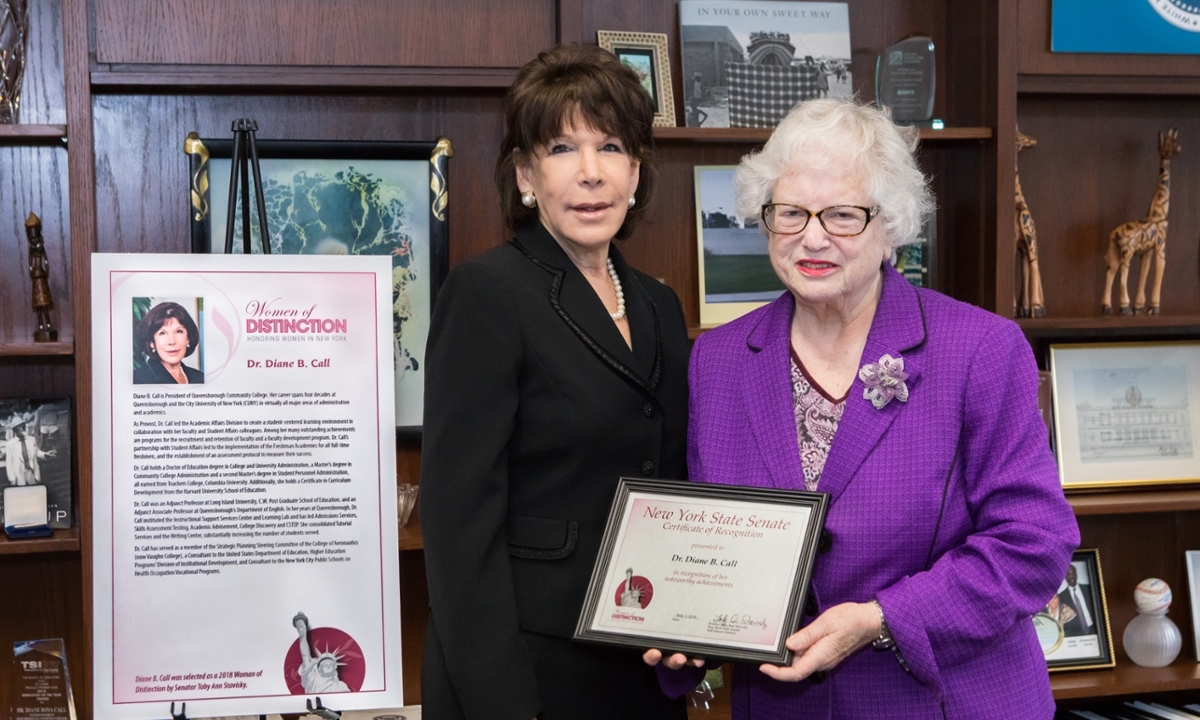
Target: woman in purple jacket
x: 915, y: 412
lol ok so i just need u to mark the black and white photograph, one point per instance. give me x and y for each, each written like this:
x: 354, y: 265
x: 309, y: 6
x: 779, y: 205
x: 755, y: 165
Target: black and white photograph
x: 745, y: 64
x: 37, y: 451
x: 735, y: 269
x: 1073, y: 627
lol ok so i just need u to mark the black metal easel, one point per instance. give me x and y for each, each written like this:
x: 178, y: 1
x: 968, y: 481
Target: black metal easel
x: 245, y: 156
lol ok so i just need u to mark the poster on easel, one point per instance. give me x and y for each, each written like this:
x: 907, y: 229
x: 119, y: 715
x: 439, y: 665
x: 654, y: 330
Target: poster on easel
x: 244, y: 500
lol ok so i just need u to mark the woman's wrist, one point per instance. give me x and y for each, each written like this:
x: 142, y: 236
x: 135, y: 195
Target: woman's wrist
x: 883, y: 640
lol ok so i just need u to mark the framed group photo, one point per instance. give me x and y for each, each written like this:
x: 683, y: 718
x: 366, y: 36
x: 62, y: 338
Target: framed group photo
x: 1073, y: 628
x: 646, y: 55
x: 1125, y: 413
x: 345, y: 198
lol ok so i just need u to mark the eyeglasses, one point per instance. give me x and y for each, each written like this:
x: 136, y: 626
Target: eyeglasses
x: 839, y: 220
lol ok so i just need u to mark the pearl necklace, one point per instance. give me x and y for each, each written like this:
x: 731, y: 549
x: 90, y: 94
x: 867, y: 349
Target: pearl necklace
x: 616, y: 281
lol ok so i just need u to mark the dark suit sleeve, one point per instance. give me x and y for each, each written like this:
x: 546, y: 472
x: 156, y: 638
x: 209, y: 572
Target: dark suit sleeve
x: 473, y: 364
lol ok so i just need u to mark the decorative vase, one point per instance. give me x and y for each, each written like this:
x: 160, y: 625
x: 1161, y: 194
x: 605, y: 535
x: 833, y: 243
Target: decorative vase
x: 1151, y: 639
x: 14, y: 34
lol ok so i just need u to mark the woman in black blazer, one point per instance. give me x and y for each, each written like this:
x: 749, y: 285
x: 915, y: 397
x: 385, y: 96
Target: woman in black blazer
x: 553, y: 369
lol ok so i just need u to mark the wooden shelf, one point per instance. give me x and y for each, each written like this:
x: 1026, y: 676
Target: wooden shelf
x: 410, y: 534
x: 61, y: 541
x: 1126, y: 679
x: 1113, y: 324
x: 1106, y: 85
x: 1124, y: 503
x: 760, y: 135
x: 340, y: 79
x: 26, y: 132
x: 65, y: 347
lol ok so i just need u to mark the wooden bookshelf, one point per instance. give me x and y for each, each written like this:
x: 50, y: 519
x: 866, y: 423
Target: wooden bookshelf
x: 760, y: 135
x: 31, y: 349
x: 61, y: 541
x: 19, y: 132
x: 1127, y: 679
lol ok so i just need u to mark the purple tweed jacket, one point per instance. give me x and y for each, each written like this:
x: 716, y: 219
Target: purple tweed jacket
x: 947, y: 508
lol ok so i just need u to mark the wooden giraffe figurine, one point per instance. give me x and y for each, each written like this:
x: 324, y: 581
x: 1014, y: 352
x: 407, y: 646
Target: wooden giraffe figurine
x: 1143, y: 238
x: 1030, y: 302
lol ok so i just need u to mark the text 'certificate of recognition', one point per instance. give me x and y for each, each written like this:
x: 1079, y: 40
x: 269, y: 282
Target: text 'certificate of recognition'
x: 244, y: 497
x: 709, y: 570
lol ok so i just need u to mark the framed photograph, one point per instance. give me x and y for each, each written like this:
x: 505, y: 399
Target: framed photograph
x: 745, y: 64
x: 1193, y: 573
x: 1125, y: 413
x: 345, y: 198
x: 707, y: 570
x: 646, y: 54
x: 1073, y: 628
x: 735, y: 270
x: 36, y: 450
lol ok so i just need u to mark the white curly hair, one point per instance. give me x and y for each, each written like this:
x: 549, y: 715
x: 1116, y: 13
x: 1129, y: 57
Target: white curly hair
x: 879, y: 151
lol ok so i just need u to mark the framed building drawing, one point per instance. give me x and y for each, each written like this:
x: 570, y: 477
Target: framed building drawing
x: 646, y: 55
x: 1125, y: 413
x: 345, y: 198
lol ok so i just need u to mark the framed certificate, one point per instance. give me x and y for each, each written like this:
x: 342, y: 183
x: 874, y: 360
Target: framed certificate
x: 705, y: 570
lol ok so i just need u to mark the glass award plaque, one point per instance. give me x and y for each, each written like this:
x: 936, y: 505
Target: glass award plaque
x: 905, y: 79
x: 41, y: 688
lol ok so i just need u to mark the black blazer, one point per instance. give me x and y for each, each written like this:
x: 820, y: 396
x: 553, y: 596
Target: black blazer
x: 534, y: 407
x: 1075, y: 626
x: 153, y: 373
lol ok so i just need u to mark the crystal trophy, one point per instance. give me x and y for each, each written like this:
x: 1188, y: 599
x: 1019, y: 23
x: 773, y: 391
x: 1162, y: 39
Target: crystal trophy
x: 905, y: 79
x: 41, y: 687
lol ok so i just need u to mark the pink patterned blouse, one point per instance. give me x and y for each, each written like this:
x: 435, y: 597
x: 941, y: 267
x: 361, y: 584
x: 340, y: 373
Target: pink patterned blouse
x: 817, y: 418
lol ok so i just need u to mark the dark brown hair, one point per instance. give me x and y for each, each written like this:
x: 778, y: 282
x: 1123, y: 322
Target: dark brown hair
x: 158, y: 316
x: 564, y: 82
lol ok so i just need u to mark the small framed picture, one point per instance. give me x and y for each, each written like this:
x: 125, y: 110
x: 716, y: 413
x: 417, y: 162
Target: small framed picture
x: 1073, y: 628
x: 345, y: 198
x: 1125, y: 413
x: 645, y: 54
x: 36, y: 450
x: 736, y: 275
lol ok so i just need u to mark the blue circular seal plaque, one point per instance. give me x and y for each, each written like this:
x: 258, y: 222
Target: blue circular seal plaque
x: 1184, y: 14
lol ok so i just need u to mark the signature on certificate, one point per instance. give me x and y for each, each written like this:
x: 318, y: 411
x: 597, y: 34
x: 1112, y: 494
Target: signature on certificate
x: 738, y: 620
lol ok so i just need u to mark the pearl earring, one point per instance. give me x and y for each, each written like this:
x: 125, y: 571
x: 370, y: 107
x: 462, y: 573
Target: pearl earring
x: 632, y: 201
x: 528, y: 200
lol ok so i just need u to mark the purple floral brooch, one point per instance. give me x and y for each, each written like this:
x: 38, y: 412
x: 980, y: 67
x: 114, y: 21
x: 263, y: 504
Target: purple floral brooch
x: 884, y: 381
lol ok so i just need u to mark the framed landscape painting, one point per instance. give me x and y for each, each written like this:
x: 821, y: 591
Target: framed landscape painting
x: 344, y: 198
x: 735, y: 271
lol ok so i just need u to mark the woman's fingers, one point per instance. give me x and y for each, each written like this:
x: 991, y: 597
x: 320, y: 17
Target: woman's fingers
x: 671, y: 662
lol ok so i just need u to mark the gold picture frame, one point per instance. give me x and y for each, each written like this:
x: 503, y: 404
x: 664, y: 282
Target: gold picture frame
x: 646, y: 54
x: 1125, y: 413
x: 1073, y: 629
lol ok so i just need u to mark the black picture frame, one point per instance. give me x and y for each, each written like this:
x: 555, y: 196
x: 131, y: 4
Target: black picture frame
x: 1066, y: 641
x: 329, y: 166
x: 645, y: 60
x: 800, y: 562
